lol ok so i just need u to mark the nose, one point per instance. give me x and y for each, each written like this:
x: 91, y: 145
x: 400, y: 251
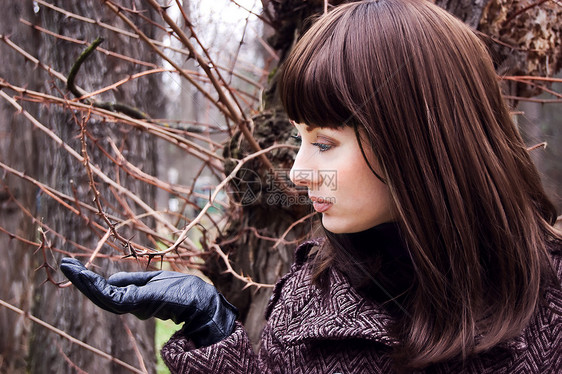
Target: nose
x: 301, y: 177
x: 302, y: 173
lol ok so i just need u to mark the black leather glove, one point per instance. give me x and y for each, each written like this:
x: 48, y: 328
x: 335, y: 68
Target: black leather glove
x: 208, y: 317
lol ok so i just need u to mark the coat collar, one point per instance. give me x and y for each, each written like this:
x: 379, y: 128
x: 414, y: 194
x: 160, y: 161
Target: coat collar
x: 341, y: 315
x: 305, y: 314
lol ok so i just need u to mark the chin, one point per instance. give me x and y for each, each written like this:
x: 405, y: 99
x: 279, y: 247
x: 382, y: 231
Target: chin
x: 338, y: 227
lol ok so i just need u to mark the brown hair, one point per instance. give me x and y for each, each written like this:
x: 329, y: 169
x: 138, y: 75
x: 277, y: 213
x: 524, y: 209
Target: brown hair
x: 469, y: 200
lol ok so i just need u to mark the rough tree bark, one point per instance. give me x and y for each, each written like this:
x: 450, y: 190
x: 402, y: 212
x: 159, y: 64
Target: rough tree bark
x: 15, y: 281
x: 31, y: 347
x: 469, y: 11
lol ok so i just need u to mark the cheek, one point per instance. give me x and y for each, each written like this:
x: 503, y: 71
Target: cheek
x: 359, y: 182
x: 363, y: 193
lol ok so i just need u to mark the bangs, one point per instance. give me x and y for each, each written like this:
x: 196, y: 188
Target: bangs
x: 313, y: 79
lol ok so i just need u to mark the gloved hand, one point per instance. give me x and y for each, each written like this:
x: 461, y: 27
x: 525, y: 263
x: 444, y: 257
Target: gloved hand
x: 208, y: 317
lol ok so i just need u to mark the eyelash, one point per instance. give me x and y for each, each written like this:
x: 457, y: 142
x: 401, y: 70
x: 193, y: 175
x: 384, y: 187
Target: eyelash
x: 321, y: 146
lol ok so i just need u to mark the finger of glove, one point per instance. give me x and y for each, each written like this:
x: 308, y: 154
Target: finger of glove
x: 124, y: 278
x: 93, y: 286
x: 70, y: 266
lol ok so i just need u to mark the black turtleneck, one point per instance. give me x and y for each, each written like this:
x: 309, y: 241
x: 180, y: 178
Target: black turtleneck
x: 377, y: 262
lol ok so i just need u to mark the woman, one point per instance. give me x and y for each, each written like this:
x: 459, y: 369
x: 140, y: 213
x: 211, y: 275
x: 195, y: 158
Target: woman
x: 441, y: 254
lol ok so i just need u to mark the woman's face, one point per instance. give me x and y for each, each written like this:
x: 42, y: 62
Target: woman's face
x: 340, y: 184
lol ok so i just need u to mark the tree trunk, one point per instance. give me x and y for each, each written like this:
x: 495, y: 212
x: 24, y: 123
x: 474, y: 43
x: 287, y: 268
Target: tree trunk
x: 16, y: 134
x: 469, y: 11
x: 31, y: 345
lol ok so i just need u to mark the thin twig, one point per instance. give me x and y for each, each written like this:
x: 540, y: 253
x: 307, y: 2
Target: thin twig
x: 122, y: 82
x: 148, y: 41
x: 92, y: 182
x: 533, y: 100
x: 247, y: 280
x: 537, y: 146
x: 134, y: 344
x: 259, y: 16
x: 238, y: 48
x: 59, y: 196
x: 69, y: 361
x: 45, y: 244
x: 223, y: 183
x: 282, y: 237
x: 256, y: 70
x: 522, y: 10
x: 98, y: 248
x: 36, y: 61
x: 83, y: 42
x: 531, y: 78
x: 158, y: 130
x: 70, y: 338
x: 234, y: 113
x: 139, y: 174
x: 95, y: 169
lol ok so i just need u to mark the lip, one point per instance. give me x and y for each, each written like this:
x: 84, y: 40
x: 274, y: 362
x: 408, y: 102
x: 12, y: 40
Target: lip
x: 319, y: 204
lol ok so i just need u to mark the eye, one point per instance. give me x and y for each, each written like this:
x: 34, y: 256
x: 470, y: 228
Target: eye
x: 322, y: 147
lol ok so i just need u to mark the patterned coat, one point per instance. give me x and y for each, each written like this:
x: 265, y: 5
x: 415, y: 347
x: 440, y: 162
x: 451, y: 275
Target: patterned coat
x: 346, y: 333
